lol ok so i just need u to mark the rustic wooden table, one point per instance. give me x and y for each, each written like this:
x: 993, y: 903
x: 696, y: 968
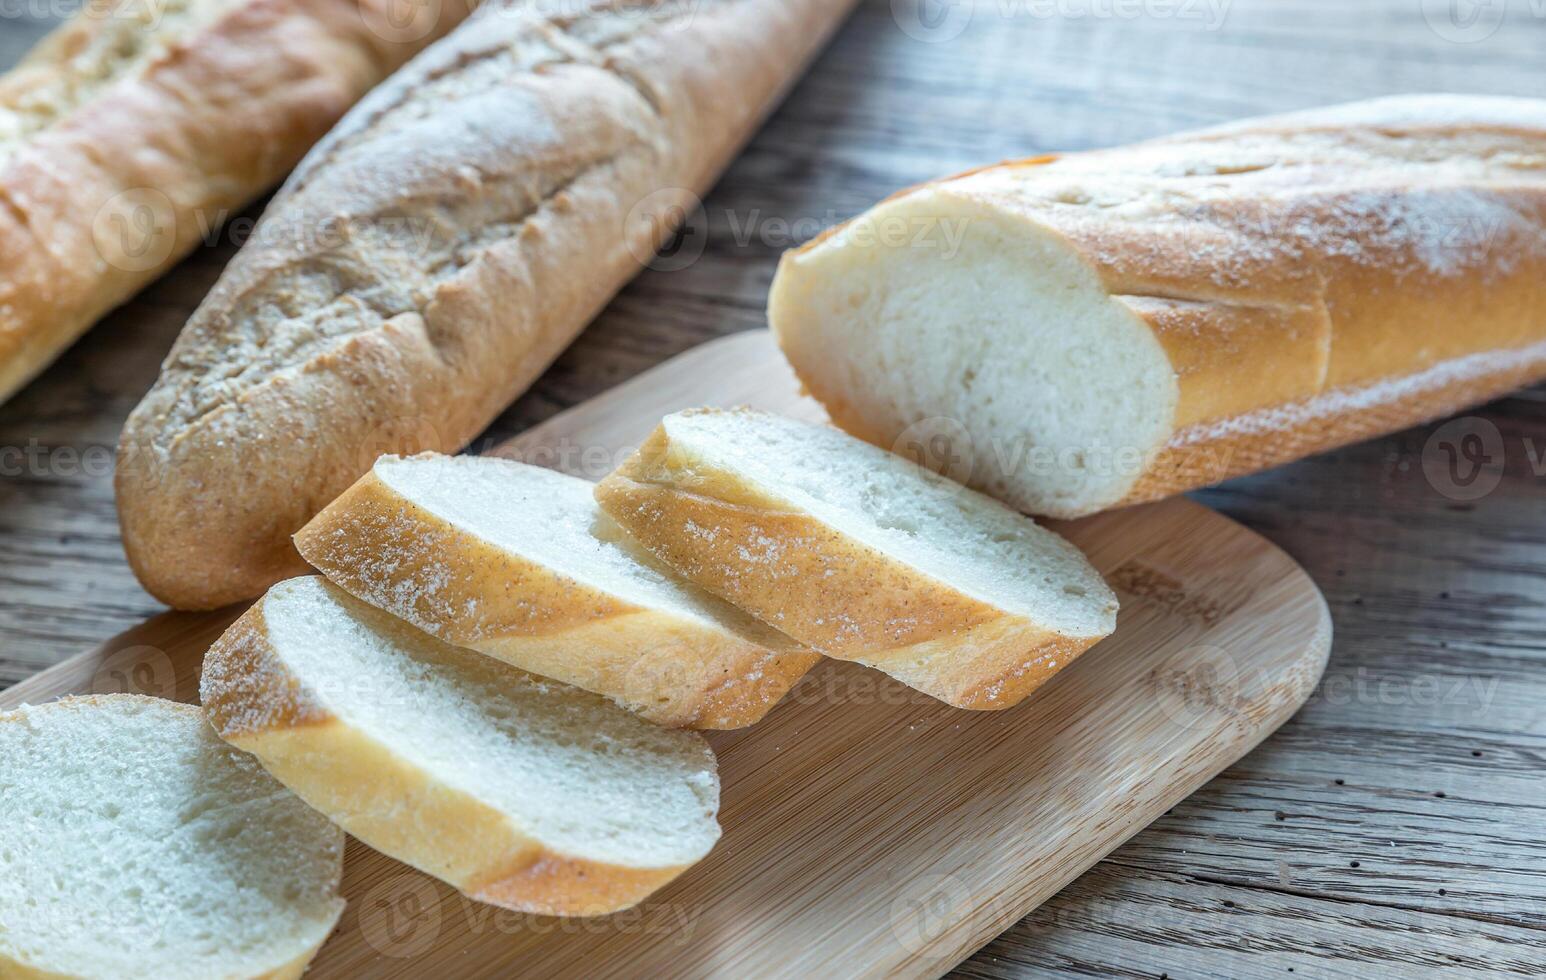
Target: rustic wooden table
x: 1395, y: 826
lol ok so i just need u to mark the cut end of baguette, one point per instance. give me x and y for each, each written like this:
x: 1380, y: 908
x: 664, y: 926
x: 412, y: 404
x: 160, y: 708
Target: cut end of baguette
x: 862, y: 554
x: 133, y: 842
x: 519, y: 562
x: 982, y: 340
x: 519, y: 791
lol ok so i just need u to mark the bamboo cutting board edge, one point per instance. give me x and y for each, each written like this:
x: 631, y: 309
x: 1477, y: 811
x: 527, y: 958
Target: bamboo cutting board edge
x: 869, y: 830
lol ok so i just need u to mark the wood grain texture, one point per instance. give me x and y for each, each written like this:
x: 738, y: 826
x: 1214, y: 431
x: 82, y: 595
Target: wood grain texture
x: 1437, y: 601
x: 869, y: 830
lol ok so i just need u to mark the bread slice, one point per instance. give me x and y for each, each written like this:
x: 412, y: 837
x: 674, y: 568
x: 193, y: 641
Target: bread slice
x: 519, y: 562
x: 862, y: 554
x: 519, y: 791
x: 134, y: 843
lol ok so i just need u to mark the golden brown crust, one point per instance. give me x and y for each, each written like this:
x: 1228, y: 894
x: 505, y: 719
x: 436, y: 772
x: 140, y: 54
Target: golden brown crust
x: 808, y: 580
x: 230, y: 108
x: 554, y: 885
x: 1230, y: 360
x: 398, y: 556
x: 464, y: 193
x: 826, y: 589
x: 1314, y: 279
x: 1010, y: 658
x: 393, y: 553
x: 673, y: 673
x: 245, y: 689
x: 1207, y: 453
x: 366, y: 789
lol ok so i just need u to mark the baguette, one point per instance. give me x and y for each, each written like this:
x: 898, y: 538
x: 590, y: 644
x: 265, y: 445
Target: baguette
x: 483, y: 200
x: 1079, y: 332
x: 127, y: 134
x: 520, y: 792
x: 862, y: 554
x: 134, y: 843
x: 518, y: 562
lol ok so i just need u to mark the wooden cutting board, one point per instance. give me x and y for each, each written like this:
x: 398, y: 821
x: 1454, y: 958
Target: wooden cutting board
x: 868, y: 829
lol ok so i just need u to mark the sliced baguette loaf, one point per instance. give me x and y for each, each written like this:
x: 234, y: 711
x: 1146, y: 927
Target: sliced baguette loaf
x: 431, y: 257
x: 861, y: 554
x: 1096, y: 329
x: 519, y: 562
x: 134, y: 843
x: 521, y: 792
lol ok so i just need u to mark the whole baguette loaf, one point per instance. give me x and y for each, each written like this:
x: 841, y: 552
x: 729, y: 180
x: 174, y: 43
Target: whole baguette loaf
x: 482, y: 201
x: 127, y: 134
x: 1072, y: 333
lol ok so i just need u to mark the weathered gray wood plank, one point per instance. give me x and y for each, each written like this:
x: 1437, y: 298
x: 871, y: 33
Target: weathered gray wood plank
x: 1122, y: 920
